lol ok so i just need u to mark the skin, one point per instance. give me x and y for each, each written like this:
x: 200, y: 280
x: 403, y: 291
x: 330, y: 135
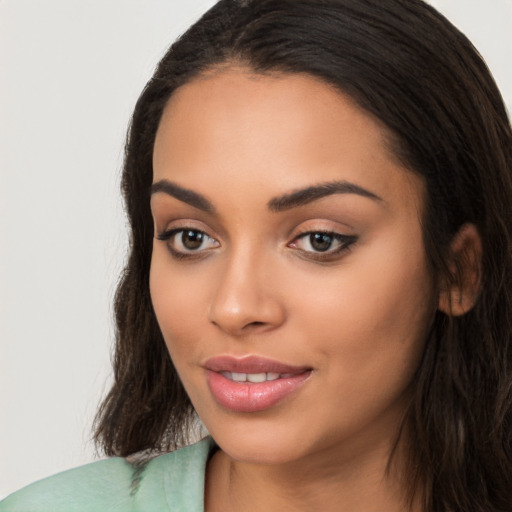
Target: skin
x: 256, y: 285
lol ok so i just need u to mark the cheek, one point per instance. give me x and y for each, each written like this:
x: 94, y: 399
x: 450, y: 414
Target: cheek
x: 372, y: 323
x: 176, y: 301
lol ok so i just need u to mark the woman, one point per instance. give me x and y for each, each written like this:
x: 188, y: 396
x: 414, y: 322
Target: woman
x: 320, y: 269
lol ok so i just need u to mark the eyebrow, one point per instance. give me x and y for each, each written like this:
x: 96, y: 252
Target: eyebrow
x: 285, y: 202
x: 183, y: 194
x: 309, y: 194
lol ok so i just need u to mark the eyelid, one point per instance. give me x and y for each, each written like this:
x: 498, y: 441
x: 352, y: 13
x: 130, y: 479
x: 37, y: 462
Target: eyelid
x: 165, y: 224
x: 169, y: 223
x: 321, y: 225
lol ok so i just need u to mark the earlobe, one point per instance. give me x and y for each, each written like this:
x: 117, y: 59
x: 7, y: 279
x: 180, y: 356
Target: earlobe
x: 459, y: 292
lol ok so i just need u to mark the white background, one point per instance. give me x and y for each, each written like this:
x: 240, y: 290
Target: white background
x: 70, y: 73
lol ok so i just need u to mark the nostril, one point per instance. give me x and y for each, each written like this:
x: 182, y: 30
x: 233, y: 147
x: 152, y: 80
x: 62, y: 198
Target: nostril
x: 254, y: 326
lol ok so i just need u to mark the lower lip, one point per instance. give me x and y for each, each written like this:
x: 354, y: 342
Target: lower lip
x: 252, y: 397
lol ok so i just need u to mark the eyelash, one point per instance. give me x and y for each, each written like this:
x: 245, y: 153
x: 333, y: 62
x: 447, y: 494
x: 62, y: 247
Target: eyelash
x: 345, y: 243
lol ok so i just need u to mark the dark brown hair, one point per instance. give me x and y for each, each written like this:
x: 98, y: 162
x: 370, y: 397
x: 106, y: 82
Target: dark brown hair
x: 410, y: 68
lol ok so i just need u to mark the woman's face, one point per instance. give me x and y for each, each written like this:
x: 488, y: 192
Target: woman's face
x: 288, y: 276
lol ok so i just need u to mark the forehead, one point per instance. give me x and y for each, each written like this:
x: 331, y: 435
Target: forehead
x: 287, y: 130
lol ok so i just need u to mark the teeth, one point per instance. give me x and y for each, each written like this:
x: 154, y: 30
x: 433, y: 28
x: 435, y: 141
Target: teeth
x: 251, y: 377
x: 256, y: 377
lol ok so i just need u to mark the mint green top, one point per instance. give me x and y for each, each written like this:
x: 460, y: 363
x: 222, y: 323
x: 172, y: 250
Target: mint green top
x: 170, y: 482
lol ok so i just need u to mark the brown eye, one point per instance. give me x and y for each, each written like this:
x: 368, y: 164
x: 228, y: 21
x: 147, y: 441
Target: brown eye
x: 320, y: 242
x: 323, y: 245
x: 187, y: 242
x: 192, y: 239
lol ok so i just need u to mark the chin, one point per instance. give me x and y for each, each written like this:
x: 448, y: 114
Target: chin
x: 257, y: 442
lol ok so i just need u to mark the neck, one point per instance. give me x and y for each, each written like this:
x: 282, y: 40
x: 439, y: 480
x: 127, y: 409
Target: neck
x: 355, y: 478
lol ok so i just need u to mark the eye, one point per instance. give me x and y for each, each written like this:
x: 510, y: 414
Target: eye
x: 184, y: 242
x: 323, y: 244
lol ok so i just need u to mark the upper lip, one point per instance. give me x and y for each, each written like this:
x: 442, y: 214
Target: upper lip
x: 251, y: 364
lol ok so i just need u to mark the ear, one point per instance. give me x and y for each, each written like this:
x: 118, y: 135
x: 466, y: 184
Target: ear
x: 460, y: 291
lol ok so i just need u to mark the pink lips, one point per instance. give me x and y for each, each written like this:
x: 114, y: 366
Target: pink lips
x: 249, y: 396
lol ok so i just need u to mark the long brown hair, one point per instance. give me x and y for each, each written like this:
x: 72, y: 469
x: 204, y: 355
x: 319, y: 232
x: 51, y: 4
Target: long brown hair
x: 409, y: 67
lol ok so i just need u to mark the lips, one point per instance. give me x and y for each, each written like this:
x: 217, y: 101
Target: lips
x: 252, y: 384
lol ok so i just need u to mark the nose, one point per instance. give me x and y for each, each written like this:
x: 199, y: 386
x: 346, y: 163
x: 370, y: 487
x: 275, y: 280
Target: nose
x: 246, y: 299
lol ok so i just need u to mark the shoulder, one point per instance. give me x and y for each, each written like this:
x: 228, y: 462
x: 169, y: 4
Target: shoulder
x: 119, y: 485
x: 89, y: 487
